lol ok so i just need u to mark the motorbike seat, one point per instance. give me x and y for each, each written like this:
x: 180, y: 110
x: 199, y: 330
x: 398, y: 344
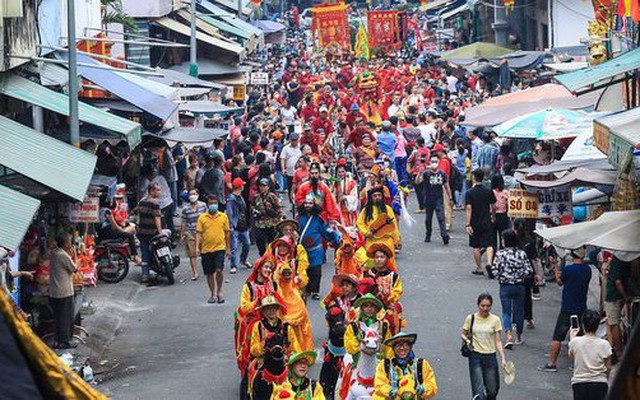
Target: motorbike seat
x: 113, y: 243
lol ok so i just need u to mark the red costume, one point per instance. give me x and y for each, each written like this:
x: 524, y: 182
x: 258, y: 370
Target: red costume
x: 323, y: 195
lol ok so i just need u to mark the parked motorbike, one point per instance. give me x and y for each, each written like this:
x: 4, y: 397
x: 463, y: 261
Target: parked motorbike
x: 163, y: 260
x: 112, y: 259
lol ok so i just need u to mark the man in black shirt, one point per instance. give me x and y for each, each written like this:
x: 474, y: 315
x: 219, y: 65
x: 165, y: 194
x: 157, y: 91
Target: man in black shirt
x: 434, y: 182
x: 480, y: 206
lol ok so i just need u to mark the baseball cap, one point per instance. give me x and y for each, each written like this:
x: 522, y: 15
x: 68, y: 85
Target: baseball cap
x: 294, y: 136
x: 438, y: 147
x: 263, y: 182
x: 237, y: 183
x: 355, y: 107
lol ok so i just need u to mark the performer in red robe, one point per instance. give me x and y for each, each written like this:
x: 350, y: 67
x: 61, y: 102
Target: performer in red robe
x: 321, y: 192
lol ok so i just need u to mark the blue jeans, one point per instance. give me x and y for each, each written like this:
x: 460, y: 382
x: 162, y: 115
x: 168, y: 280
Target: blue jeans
x: 145, y: 255
x: 243, y: 237
x: 428, y: 219
x: 512, y: 299
x: 280, y: 182
x: 461, y: 193
x: 401, y: 170
x: 485, y: 378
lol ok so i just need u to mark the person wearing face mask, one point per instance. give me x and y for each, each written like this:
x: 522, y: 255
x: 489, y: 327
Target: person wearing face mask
x: 190, y: 215
x: 404, y: 375
x: 434, y: 186
x: 213, y: 238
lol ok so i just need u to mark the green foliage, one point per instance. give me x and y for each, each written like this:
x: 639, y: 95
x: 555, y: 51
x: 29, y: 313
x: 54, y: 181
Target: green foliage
x: 114, y: 14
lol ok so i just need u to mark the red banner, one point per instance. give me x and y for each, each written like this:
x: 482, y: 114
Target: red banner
x: 330, y: 26
x: 384, y: 29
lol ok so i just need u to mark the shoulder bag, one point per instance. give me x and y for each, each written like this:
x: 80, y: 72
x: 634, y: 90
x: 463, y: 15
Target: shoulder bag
x: 467, y: 349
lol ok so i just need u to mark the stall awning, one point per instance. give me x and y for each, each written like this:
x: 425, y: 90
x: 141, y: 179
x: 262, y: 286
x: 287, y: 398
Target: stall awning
x: 577, y: 177
x: 595, y: 77
x: 17, y: 212
x: 454, y: 12
x: 187, y: 92
x: 210, y: 67
x: 232, y: 19
x: 228, y: 46
x: 617, y: 231
x: 566, y: 165
x: 623, y: 135
x: 436, y: 4
x: 135, y: 93
x: 25, y: 90
x: 175, y: 78
x: 207, y: 107
x: 232, y: 4
x: 45, y: 160
x: 190, y: 137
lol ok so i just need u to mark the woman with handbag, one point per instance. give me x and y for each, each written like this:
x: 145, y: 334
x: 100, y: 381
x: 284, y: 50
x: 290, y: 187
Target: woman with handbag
x: 480, y: 342
x: 512, y: 267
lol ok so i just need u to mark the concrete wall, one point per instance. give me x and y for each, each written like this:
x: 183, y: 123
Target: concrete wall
x: 570, y: 21
x: 147, y: 8
x: 18, y: 36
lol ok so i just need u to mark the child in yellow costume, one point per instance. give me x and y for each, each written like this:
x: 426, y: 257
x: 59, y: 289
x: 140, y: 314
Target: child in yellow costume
x: 369, y: 307
x: 351, y: 255
x: 298, y: 386
x: 271, y: 323
x: 404, y: 376
x: 290, y: 228
x: 296, y: 315
x: 388, y: 286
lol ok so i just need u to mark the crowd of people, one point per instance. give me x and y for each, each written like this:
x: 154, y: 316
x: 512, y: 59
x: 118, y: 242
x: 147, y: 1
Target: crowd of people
x: 325, y: 158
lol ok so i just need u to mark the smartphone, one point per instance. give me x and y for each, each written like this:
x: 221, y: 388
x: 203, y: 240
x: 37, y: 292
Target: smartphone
x: 574, y: 322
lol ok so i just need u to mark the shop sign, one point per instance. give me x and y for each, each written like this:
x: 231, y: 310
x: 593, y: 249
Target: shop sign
x: 601, y: 137
x: 620, y: 152
x: 238, y: 93
x: 87, y: 211
x: 555, y: 202
x: 522, y: 204
x: 259, y: 78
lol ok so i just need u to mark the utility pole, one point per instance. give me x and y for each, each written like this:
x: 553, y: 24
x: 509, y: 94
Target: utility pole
x: 499, y: 23
x: 74, y: 123
x: 193, y: 62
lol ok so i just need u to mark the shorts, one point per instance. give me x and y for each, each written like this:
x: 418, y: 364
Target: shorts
x: 613, y: 310
x: 563, y: 324
x: 190, y: 246
x: 481, y: 238
x: 212, y: 262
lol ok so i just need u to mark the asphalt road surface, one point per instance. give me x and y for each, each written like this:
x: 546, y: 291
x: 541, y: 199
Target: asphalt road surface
x: 171, y: 344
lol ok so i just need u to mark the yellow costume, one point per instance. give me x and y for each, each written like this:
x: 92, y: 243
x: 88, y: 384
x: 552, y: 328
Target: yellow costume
x: 296, y: 314
x: 302, y: 264
x: 389, y: 375
x: 287, y: 391
x: 258, y: 335
x: 352, y: 338
x: 391, y: 238
x: 350, y: 264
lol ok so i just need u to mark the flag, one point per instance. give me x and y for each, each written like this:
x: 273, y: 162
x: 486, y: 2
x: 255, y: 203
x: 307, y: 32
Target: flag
x: 362, y: 43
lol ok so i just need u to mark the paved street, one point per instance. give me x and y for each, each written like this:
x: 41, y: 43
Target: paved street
x: 173, y: 345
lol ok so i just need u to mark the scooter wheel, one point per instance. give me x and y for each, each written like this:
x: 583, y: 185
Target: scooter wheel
x: 168, y: 271
x: 112, y: 270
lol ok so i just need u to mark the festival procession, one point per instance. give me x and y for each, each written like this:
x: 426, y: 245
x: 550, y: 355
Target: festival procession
x: 266, y: 200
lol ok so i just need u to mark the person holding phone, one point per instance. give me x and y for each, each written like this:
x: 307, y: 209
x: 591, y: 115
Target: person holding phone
x: 591, y: 358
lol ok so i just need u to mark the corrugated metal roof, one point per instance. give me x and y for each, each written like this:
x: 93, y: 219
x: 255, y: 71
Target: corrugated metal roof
x: 589, y: 77
x: 23, y: 89
x: 175, y: 78
x: 624, y: 125
x: 44, y: 159
x: 231, y: 19
x: 135, y: 93
x: 17, y: 212
x: 183, y: 29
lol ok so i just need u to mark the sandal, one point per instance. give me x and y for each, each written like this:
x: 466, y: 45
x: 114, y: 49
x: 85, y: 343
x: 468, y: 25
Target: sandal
x: 212, y: 300
x: 476, y: 272
x: 220, y: 300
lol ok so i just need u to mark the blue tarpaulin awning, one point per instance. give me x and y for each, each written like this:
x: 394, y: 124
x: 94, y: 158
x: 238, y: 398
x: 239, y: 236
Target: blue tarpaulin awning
x: 592, y: 78
x: 137, y: 95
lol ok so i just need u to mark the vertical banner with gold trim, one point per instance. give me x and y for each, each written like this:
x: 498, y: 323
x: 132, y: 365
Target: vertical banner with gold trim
x: 330, y: 26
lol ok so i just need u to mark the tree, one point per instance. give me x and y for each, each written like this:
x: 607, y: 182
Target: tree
x: 114, y: 14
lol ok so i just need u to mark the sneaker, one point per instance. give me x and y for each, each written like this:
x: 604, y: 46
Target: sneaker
x: 446, y: 240
x: 427, y: 240
x: 519, y: 341
x: 548, y: 368
x: 233, y: 270
x: 536, y: 296
x: 531, y: 325
x: 419, y: 211
x: 508, y: 345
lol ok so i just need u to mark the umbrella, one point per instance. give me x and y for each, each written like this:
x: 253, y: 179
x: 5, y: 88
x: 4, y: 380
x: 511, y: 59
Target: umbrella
x: 617, y: 231
x: 541, y: 125
x: 476, y: 51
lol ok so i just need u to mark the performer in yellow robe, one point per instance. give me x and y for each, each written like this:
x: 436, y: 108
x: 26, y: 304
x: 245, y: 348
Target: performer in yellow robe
x: 404, y: 376
x: 378, y: 223
x: 288, y: 289
x: 370, y: 308
x: 271, y: 322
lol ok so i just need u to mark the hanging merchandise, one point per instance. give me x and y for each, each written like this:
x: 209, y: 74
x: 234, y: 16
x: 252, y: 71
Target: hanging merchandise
x: 509, y: 5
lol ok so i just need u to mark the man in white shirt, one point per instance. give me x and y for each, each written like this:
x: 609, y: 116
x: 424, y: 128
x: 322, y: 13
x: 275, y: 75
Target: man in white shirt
x: 428, y: 128
x: 452, y: 81
x: 395, y: 107
x: 289, y: 157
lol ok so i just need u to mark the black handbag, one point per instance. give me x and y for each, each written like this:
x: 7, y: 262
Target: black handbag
x: 467, y: 349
